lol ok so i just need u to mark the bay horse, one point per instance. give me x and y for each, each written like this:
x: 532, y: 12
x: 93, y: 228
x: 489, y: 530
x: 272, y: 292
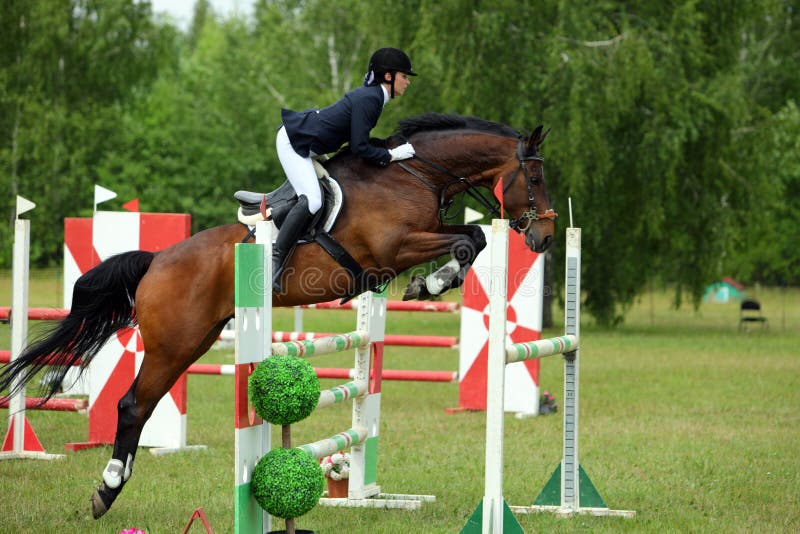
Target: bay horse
x: 182, y: 297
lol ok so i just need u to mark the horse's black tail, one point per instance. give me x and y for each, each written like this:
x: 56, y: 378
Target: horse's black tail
x: 102, y: 303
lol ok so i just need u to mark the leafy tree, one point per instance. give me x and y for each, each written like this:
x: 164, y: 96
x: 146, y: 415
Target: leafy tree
x: 674, y: 124
x: 68, y: 67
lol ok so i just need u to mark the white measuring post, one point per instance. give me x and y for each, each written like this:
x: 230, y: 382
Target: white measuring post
x: 569, y: 490
x: 572, y: 326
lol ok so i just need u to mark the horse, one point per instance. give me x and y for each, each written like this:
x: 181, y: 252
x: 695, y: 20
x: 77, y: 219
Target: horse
x: 182, y: 297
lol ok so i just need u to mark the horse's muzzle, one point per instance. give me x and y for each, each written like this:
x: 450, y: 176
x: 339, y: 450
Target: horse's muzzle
x: 538, y: 246
x: 546, y: 242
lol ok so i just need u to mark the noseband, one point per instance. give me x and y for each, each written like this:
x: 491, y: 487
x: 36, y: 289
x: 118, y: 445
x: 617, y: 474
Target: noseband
x: 521, y: 223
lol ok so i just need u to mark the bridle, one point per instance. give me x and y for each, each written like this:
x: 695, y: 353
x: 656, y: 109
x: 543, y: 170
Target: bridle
x: 521, y: 223
x: 530, y: 215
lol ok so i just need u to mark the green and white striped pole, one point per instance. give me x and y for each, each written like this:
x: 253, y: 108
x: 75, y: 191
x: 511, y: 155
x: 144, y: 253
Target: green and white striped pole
x: 323, y: 345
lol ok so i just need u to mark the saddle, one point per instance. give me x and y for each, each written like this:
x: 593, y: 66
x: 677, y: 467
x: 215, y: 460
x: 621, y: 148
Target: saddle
x: 274, y: 206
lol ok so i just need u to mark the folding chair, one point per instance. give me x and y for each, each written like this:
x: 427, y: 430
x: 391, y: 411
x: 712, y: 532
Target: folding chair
x: 750, y: 312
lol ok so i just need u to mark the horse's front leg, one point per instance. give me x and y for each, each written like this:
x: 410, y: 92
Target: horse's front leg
x: 462, y: 242
x: 478, y: 241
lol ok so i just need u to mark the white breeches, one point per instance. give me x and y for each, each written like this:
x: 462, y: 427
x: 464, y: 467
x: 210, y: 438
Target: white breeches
x: 300, y: 171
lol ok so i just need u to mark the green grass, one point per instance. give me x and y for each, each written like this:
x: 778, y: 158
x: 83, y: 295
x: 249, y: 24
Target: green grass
x: 683, y: 419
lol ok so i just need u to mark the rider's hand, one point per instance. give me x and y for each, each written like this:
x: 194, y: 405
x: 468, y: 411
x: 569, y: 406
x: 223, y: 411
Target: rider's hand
x: 404, y: 151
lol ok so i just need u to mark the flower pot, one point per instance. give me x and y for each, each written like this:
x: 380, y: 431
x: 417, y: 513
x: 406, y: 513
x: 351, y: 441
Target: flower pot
x: 337, y: 489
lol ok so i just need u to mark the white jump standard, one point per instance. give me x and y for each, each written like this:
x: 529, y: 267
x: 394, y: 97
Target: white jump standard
x: 569, y: 490
x: 21, y: 440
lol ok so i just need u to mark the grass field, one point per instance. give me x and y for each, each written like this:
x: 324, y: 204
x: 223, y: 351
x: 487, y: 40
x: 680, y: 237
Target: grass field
x: 691, y: 423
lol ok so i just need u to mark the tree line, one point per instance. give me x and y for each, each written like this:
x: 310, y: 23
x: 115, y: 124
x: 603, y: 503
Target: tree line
x: 674, y: 126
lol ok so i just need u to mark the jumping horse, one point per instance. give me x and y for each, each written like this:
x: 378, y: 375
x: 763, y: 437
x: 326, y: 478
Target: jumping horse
x: 182, y: 297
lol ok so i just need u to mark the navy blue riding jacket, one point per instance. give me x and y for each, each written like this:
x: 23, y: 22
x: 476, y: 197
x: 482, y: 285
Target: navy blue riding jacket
x: 325, y: 130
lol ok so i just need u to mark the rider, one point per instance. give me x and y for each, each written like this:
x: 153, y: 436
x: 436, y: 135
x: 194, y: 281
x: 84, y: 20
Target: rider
x: 313, y: 132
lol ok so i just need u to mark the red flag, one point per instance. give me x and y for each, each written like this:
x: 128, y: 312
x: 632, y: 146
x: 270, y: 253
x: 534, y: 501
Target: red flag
x: 498, y: 194
x: 133, y: 205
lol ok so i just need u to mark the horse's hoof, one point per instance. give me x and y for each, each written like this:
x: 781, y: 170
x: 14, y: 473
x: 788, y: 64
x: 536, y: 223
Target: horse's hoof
x: 98, y: 506
x: 414, y: 288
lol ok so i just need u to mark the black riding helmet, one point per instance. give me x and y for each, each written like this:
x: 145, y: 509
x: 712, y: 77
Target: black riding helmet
x: 391, y: 60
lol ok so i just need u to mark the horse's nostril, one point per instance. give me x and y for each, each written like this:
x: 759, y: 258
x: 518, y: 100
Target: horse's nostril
x: 548, y: 239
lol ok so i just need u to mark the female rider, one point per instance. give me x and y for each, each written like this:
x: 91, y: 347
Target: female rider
x: 313, y: 132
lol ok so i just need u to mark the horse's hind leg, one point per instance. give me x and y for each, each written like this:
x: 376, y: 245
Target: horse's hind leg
x: 126, y: 441
x: 157, y: 375
x: 154, y: 380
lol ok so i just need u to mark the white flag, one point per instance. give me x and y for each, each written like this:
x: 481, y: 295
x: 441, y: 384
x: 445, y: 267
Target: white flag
x: 23, y: 205
x: 470, y: 215
x: 101, y: 194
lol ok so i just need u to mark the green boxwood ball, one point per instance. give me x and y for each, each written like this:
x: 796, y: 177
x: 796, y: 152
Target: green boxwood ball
x: 283, y: 389
x: 287, y: 482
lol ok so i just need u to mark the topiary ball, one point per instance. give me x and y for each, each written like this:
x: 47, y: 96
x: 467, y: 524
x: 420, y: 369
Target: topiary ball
x: 287, y: 482
x: 283, y: 389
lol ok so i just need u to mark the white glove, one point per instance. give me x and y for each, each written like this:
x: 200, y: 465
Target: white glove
x: 402, y: 152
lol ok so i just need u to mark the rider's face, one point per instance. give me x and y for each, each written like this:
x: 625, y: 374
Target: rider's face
x: 401, y: 81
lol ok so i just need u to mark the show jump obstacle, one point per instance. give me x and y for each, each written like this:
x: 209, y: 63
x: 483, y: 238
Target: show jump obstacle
x: 525, y: 292
x: 87, y: 242
x: 569, y: 490
x: 253, y: 321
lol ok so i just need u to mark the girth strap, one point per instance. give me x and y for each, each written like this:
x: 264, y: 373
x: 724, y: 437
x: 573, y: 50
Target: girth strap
x: 343, y: 258
x: 336, y: 251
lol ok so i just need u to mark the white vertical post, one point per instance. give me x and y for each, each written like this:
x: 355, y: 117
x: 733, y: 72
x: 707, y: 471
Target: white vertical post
x: 498, y: 288
x: 298, y: 319
x: 366, y: 408
x: 570, y: 467
x: 264, y: 238
x: 18, y: 423
x: 19, y: 323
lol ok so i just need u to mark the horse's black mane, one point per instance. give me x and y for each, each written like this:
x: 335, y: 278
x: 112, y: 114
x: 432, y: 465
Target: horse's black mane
x: 429, y: 122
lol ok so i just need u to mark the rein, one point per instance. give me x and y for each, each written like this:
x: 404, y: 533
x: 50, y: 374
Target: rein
x: 520, y: 224
x: 443, y: 204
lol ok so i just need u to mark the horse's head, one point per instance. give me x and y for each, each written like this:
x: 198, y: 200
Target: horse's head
x: 456, y: 154
x: 525, y: 193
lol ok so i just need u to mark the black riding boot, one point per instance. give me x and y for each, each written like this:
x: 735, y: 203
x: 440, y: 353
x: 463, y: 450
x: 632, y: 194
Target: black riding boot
x: 292, y: 228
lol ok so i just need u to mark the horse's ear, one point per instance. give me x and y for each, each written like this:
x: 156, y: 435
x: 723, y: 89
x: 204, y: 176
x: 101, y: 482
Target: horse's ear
x: 537, y: 137
x: 544, y: 134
